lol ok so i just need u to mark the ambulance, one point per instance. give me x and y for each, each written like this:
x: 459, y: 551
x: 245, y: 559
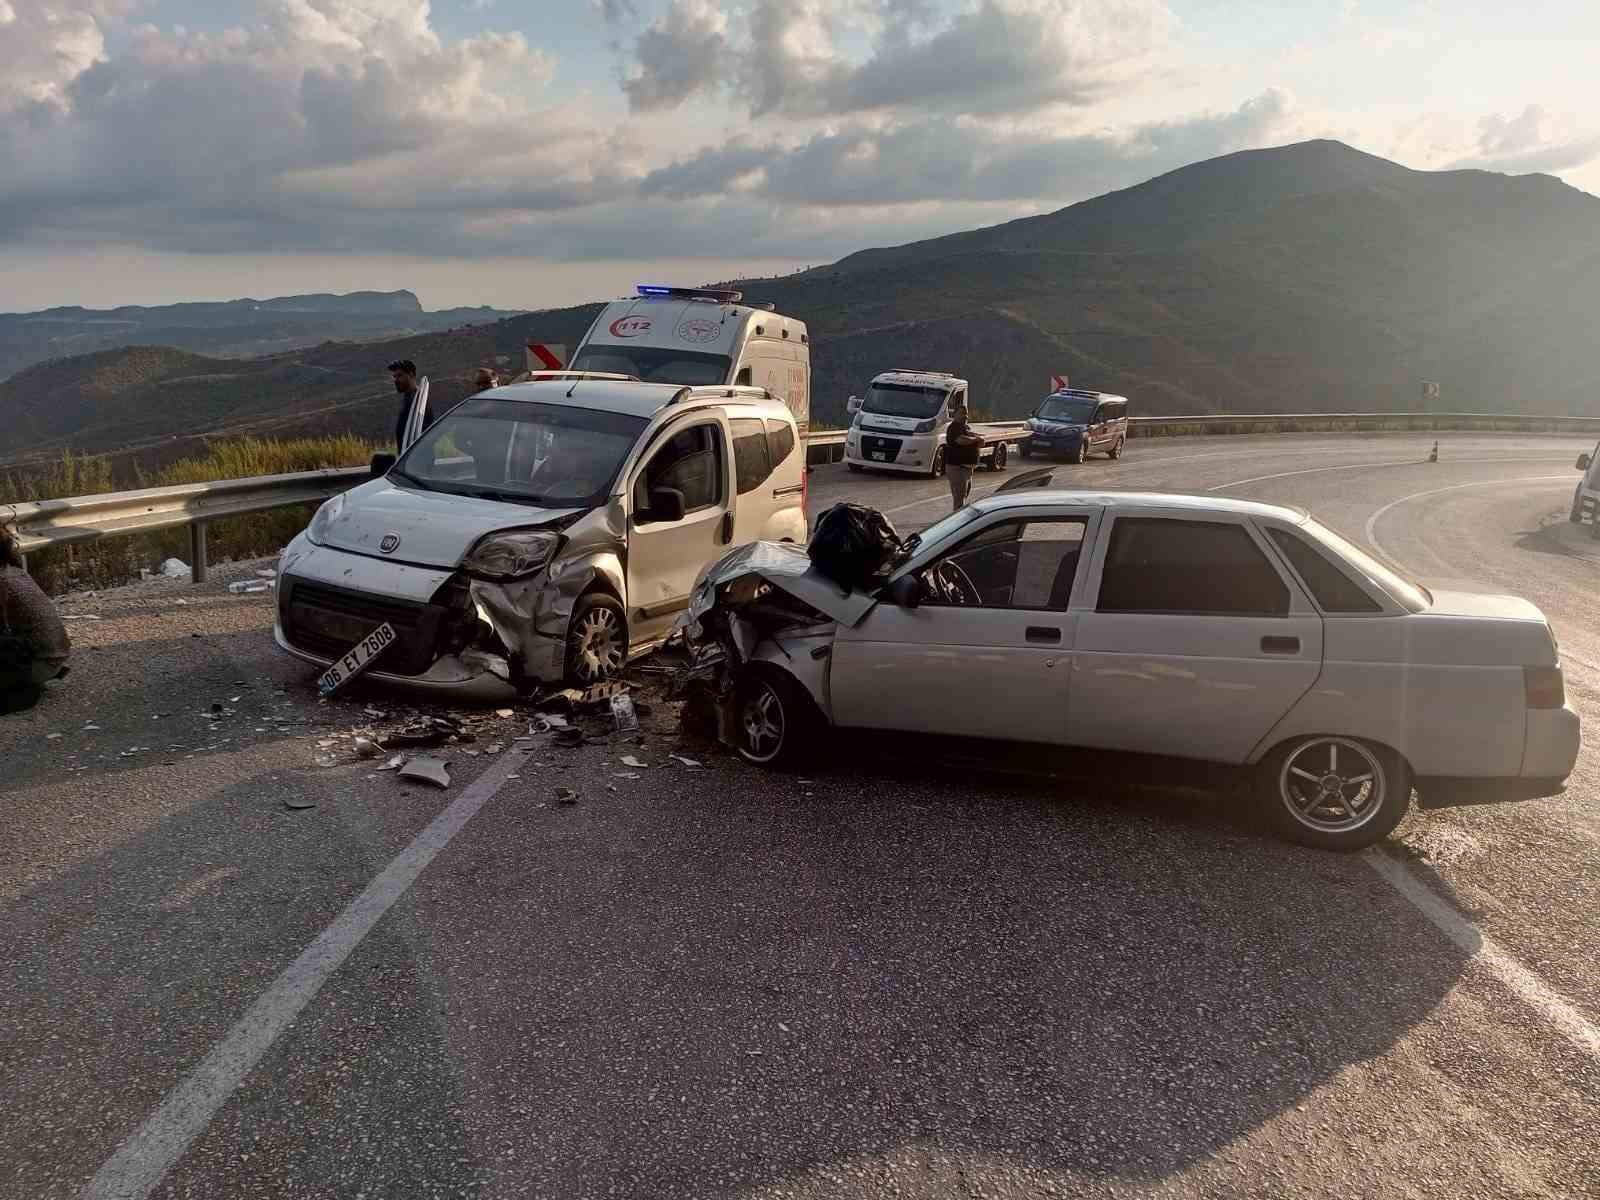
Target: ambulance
x: 701, y: 337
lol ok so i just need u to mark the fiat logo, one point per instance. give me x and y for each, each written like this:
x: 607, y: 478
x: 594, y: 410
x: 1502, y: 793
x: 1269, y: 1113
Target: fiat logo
x: 628, y: 327
x: 390, y: 543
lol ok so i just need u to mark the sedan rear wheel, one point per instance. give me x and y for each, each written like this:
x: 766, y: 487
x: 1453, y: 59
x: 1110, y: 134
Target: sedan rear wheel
x: 1335, y: 793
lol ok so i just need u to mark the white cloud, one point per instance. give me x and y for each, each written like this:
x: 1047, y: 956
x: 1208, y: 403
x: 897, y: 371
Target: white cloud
x: 784, y: 56
x: 1520, y: 144
x: 48, y: 45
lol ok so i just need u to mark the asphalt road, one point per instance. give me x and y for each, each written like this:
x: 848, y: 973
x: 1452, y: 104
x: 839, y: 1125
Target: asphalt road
x: 879, y: 980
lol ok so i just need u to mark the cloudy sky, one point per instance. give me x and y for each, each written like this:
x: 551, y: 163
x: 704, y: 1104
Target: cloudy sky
x: 524, y: 153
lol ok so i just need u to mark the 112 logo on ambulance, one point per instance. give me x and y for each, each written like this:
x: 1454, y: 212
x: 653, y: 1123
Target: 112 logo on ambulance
x: 630, y: 327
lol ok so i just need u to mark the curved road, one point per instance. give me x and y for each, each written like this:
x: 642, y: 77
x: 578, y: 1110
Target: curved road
x: 884, y: 980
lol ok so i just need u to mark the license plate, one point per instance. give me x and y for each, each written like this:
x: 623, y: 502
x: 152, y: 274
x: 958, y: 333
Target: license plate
x: 357, y: 659
x: 878, y: 456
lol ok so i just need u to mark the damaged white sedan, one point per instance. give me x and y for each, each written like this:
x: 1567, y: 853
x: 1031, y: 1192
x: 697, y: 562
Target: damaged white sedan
x: 538, y: 533
x: 1197, y: 628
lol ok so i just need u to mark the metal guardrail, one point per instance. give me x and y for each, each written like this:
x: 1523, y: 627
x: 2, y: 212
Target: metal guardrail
x: 45, y: 523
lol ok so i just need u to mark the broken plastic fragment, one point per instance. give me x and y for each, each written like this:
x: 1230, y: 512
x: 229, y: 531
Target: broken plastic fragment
x: 425, y: 768
x: 249, y: 585
x: 394, y: 764
x: 623, y: 715
x: 297, y: 803
x: 366, y: 748
x: 565, y: 795
x: 628, y: 760
x: 627, y: 775
x: 504, y: 712
x: 686, y: 760
x: 326, y: 760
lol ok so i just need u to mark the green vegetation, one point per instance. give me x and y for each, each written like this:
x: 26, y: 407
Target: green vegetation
x: 113, y: 561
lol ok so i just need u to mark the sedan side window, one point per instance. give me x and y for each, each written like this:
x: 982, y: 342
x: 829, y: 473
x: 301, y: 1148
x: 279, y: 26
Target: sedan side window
x: 1018, y: 564
x: 1333, y: 590
x: 1161, y: 565
x: 690, y: 461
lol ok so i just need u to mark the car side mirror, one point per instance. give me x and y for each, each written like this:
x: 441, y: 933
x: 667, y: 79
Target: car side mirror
x: 1583, y: 462
x: 666, y: 504
x: 906, y: 591
x: 381, y: 464
x: 853, y: 405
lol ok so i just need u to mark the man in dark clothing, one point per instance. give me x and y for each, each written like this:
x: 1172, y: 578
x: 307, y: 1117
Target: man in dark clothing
x: 960, y: 455
x: 33, y: 640
x: 405, y: 382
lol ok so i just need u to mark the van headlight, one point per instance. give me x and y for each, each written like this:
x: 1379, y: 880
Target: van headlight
x: 927, y: 426
x: 511, y: 552
x: 317, y: 531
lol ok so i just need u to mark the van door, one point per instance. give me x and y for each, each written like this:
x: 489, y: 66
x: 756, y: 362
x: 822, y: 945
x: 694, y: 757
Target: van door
x: 752, y: 474
x: 666, y: 555
x: 417, y: 421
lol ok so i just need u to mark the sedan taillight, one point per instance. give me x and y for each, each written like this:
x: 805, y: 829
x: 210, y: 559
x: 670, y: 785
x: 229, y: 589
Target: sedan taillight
x: 1544, y: 687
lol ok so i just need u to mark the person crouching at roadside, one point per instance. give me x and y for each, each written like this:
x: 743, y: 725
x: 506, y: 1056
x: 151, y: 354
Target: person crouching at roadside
x: 34, y: 646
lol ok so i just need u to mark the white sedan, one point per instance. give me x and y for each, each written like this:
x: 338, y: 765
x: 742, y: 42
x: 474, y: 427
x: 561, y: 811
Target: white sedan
x: 1200, y: 627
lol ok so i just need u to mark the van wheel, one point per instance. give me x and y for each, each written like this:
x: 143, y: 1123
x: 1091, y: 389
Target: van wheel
x: 1333, y: 793
x: 1116, y: 449
x: 938, y: 464
x: 997, y: 460
x: 597, y: 640
x: 774, y: 719
x: 1576, y: 515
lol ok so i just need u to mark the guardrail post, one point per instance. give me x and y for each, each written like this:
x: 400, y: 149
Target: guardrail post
x: 197, y: 552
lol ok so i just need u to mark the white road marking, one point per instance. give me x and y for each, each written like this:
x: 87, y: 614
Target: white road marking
x: 139, y: 1164
x: 1372, y: 521
x: 1383, y: 462
x: 1523, y: 983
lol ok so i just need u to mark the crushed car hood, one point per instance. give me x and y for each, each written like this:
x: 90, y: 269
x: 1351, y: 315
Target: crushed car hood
x: 786, y: 567
x: 434, y: 529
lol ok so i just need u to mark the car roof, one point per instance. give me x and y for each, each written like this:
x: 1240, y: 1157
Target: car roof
x: 632, y: 397
x: 930, y: 378
x: 626, y: 396
x: 1199, y: 505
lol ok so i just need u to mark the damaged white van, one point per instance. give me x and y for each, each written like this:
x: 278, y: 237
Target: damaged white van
x: 539, y: 532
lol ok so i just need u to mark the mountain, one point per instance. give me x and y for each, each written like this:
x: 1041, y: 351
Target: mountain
x: 1311, y: 277
x: 230, y: 328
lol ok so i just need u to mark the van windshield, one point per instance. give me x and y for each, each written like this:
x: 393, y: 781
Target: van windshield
x: 544, y: 454
x: 1072, y: 410
x: 655, y: 364
x: 903, y: 400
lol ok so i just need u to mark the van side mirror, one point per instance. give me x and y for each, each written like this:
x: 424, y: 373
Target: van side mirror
x: 906, y: 591
x: 853, y: 405
x: 381, y: 464
x: 1583, y: 462
x: 666, y: 504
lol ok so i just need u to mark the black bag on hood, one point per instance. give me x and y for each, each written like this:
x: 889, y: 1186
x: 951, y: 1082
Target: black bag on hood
x: 851, y: 544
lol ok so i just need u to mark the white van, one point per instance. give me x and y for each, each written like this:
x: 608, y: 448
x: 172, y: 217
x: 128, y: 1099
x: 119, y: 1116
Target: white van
x: 1586, y: 497
x: 700, y: 336
x: 900, y: 424
x: 539, y: 532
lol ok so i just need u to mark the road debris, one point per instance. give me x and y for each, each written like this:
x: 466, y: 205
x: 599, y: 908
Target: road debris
x: 623, y: 715
x: 494, y: 747
x: 427, y: 731
x: 242, y: 586
x: 327, y: 760
x: 629, y: 760
x: 425, y: 768
x: 394, y: 764
x: 550, y: 723
x: 365, y: 747
x: 50, y: 737
x: 504, y: 712
x: 627, y: 775
x: 79, y: 617
x: 296, y: 803
x: 692, y: 763
x: 566, y: 795
x: 569, y: 735
x: 175, y: 568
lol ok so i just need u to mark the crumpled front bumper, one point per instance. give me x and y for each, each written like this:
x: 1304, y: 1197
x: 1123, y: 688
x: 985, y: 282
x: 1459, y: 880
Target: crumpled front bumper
x: 449, y: 677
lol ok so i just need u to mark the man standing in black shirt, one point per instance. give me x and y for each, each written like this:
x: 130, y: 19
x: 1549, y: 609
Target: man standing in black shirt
x: 960, y: 455
x: 405, y: 383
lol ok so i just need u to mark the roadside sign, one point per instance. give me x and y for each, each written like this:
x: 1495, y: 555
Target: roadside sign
x: 1430, y: 389
x: 544, y: 356
x: 1058, y: 383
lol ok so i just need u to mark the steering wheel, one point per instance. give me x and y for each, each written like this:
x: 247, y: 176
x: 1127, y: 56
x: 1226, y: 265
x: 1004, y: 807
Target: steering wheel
x: 955, y: 585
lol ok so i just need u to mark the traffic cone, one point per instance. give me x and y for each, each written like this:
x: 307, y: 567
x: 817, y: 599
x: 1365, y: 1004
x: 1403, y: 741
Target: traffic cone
x: 1433, y: 455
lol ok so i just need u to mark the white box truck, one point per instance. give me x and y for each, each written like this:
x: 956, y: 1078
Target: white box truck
x: 698, y: 337
x: 902, y: 421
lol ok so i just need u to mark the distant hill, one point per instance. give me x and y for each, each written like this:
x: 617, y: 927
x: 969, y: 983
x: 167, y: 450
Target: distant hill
x: 1312, y: 277
x: 231, y: 328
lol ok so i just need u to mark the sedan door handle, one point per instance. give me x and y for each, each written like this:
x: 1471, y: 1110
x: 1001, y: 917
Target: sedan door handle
x: 1043, y: 633
x: 1280, y: 645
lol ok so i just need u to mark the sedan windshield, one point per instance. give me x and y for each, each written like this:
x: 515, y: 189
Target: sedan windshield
x: 903, y: 400
x: 1412, y: 595
x: 545, y: 454
x: 1067, y: 409
x: 655, y: 365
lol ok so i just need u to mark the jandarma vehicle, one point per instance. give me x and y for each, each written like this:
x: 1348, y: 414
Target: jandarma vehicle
x: 539, y: 532
x: 1195, y: 627
x: 1076, y: 423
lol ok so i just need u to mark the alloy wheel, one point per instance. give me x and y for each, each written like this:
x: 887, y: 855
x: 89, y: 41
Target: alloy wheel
x: 597, y: 645
x: 1332, y: 784
x: 761, y: 721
